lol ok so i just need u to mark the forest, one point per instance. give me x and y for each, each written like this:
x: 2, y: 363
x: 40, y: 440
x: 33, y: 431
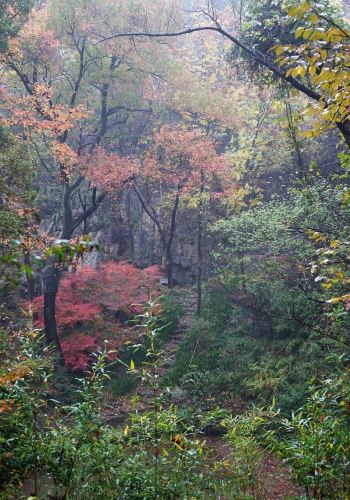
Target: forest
x: 174, y: 249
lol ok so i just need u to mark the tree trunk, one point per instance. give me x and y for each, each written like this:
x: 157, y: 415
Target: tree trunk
x: 67, y: 227
x: 200, y: 250
x: 30, y: 280
x: 50, y: 283
x: 170, y: 272
x: 168, y: 253
x: 51, y: 278
x: 344, y: 129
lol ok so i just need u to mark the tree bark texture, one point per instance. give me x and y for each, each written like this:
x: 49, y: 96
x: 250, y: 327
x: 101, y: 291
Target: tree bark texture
x: 50, y: 283
x: 200, y: 249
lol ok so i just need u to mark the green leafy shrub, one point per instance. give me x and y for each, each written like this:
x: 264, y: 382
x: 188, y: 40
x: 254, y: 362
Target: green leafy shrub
x: 246, y: 453
x: 69, y: 452
x: 315, y: 441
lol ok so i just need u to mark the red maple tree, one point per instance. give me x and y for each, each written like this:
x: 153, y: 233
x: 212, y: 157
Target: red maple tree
x: 85, y: 296
x: 77, y: 350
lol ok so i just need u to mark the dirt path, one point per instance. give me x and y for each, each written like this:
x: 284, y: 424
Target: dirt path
x: 275, y: 480
x: 122, y: 406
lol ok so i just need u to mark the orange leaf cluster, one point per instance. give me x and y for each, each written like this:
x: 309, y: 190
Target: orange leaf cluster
x: 40, y: 118
x: 65, y: 156
x: 183, y: 156
x: 108, y: 171
x: 14, y: 375
x: 177, y: 157
x: 39, y: 114
x: 6, y: 406
x: 35, y: 40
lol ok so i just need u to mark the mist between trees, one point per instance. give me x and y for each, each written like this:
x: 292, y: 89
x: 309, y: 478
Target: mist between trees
x: 174, y: 225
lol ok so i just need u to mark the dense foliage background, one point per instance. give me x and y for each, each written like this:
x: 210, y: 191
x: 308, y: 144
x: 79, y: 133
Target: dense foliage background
x: 174, y: 225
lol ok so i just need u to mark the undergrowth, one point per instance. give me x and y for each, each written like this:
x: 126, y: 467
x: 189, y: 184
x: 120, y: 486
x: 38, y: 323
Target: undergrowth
x: 228, y: 354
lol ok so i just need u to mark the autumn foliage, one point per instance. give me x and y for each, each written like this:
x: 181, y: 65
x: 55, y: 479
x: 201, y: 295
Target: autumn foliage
x: 176, y: 156
x: 179, y: 155
x: 77, y: 349
x: 109, y: 170
x: 117, y: 289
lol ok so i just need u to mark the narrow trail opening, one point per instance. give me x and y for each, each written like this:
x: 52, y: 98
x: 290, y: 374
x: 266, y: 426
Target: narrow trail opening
x: 274, y: 479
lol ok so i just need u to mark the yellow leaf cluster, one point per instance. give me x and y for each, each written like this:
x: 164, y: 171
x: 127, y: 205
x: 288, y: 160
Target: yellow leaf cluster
x: 324, y: 59
x: 19, y: 372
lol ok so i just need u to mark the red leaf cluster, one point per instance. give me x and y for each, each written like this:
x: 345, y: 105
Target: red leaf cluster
x: 77, y: 350
x: 123, y: 286
x: 177, y: 156
x: 73, y: 304
x: 85, y: 295
x: 109, y: 170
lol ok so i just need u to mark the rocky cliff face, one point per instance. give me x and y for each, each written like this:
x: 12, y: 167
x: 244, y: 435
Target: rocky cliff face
x: 128, y: 232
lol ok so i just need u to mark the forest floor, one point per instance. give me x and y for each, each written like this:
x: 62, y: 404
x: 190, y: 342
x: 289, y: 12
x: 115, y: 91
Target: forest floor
x: 274, y: 479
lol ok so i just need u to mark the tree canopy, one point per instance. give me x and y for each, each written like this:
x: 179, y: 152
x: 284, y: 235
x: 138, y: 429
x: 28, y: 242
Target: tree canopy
x: 174, y: 249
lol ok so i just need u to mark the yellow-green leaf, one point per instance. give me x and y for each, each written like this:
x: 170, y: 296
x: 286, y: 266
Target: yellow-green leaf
x: 292, y: 11
x: 299, y: 31
x: 301, y: 70
x: 312, y: 70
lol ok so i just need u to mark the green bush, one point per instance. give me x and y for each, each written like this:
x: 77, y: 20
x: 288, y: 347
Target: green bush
x: 73, y: 454
x: 315, y: 441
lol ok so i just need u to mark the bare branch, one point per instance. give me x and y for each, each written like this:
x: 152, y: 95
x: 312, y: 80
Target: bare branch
x: 218, y: 29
